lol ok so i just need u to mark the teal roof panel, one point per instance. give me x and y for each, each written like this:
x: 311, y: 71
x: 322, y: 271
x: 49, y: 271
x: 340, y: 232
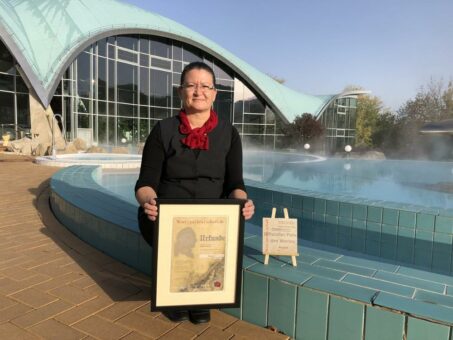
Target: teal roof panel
x: 46, y: 35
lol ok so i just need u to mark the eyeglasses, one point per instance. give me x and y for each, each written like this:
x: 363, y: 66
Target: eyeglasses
x: 190, y: 87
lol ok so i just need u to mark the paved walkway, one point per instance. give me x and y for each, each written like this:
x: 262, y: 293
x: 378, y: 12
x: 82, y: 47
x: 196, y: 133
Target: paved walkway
x: 54, y: 286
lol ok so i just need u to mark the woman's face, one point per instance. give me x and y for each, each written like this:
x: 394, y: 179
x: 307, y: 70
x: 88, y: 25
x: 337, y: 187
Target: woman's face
x: 197, y: 91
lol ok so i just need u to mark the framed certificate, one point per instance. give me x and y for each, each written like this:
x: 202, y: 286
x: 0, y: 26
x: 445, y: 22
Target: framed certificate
x: 197, y: 254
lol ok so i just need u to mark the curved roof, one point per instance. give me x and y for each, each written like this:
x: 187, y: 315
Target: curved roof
x: 46, y: 35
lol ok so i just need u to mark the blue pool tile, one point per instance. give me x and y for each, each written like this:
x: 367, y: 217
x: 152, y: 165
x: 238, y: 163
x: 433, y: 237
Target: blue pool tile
x: 414, y: 307
x: 425, y: 275
x: 296, y: 202
x: 425, y: 221
x: 320, y: 271
x: 372, y: 247
x: 381, y: 324
x: 359, y: 224
x: 345, y: 320
x: 320, y: 206
x: 375, y: 214
x: 285, y: 273
x: 444, y: 224
x: 277, y: 197
x: 346, y: 210
x: 437, y: 299
x: 344, y: 289
x: 345, y: 267
x: 410, y: 281
x: 421, y: 330
x: 389, y: 233
x: 332, y: 220
x: 303, y: 258
x: 442, y: 242
x: 358, y: 240
x: 332, y: 208
x: 344, y: 241
x: 254, y: 298
x: 371, y: 264
x: 308, y: 204
x: 345, y: 221
x: 305, y: 248
x: 311, y: 314
x: 407, y: 219
x: 373, y: 231
x: 421, y: 235
x: 344, y: 230
x: 441, y: 262
x: 359, y: 212
x: 380, y: 285
x: 282, y: 306
x: 423, y: 258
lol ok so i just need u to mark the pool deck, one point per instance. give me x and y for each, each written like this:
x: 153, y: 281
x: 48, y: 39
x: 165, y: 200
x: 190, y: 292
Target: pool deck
x: 55, y: 286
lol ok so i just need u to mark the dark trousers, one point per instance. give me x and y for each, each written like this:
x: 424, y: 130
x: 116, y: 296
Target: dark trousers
x: 146, y: 226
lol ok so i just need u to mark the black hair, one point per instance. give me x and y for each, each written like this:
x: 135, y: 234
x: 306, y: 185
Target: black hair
x: 199, y: 66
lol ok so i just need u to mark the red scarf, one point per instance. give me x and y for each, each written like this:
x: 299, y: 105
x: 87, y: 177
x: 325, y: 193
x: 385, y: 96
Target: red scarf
x: 197, y: 138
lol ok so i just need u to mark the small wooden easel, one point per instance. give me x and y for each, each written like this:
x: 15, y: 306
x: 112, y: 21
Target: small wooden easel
x: 291, y: 223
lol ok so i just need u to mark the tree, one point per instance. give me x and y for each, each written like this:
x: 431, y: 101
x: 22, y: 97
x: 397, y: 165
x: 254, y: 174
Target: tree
x: 305, y: 128
x: 368, y: 110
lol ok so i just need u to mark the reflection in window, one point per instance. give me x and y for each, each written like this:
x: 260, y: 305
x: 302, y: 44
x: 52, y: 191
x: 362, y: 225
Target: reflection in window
x: 83, y: 75
x: 6, y: 108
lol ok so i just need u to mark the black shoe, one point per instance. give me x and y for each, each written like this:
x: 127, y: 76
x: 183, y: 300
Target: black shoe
x: 177, y: 315
x: 200, y: 316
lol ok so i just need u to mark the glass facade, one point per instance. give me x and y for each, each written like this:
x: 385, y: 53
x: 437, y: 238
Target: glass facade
x: 119, y: 87
x: 14, y: 97
x: 339, y: 120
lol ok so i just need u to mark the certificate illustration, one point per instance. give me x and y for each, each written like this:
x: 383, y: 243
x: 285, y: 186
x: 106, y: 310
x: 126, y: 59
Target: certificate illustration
x: 197, y: 254
x: 198, y: 257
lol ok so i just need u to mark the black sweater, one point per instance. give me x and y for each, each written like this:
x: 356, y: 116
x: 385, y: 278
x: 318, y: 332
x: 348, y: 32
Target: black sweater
x: 175, y: 171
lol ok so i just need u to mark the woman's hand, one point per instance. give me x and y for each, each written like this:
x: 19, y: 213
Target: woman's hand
x: 248, y: 210
x: 151, y: 209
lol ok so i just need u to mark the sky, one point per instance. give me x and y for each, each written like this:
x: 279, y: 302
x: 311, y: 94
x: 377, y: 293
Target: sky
x: 390, y: 47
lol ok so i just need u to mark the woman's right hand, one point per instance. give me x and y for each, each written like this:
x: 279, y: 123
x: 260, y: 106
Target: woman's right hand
x: 150, y: 209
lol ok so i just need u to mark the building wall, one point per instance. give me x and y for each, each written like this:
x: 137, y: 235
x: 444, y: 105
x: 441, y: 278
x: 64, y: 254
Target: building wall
x: 14, y: 97
x: 119, y: 87
x: 339, y: 120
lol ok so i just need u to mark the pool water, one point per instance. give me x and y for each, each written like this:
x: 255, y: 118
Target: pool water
x: 421, y: 183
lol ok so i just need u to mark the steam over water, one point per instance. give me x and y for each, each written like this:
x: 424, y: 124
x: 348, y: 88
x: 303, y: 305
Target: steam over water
x: 426, y: 184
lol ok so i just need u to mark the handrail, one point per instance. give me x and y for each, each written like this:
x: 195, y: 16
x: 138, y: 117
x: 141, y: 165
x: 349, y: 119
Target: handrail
x: 63, y: 133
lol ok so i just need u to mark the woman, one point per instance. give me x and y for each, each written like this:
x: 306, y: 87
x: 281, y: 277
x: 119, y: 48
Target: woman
x: 192, y: 155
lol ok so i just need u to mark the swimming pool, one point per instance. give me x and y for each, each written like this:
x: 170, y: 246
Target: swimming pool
x: 105, y: 160
x: 419, y: 183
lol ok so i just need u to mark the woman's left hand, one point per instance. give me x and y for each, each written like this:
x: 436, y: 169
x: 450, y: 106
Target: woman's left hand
x: 248, y: 210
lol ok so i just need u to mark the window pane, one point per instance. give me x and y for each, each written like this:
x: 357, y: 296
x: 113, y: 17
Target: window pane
x: 127, y: 110
x: 161, y: 63
x: 223, y: 105
x: 6, y: 82
x: 191, y: 54
x: 160, y: 88
x: 144, y: 60
x: 23, y: 110
x: 102, y: 108
x: 102, y: 130
x: 144, y: 86
x: 83, y: 121
x: 144, y: 45
x: 159, y: 113
x: 161, y: 47
x: 127, y: 83
x: 6, y: 60
x: 127, y: 130
x: 144, y: 131
x: 83, y: 75
x: 111, y: 76
x: 177, y: 51
x: 102, y: 47
x: 127, y: 56
x: 6, y: 108
x: 130, y: 42
x: 56, y: 105
x: 20, y: 85
x: 102, y: 79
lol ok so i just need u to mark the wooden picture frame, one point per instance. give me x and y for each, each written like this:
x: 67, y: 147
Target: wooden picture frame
x: 197, y: 254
